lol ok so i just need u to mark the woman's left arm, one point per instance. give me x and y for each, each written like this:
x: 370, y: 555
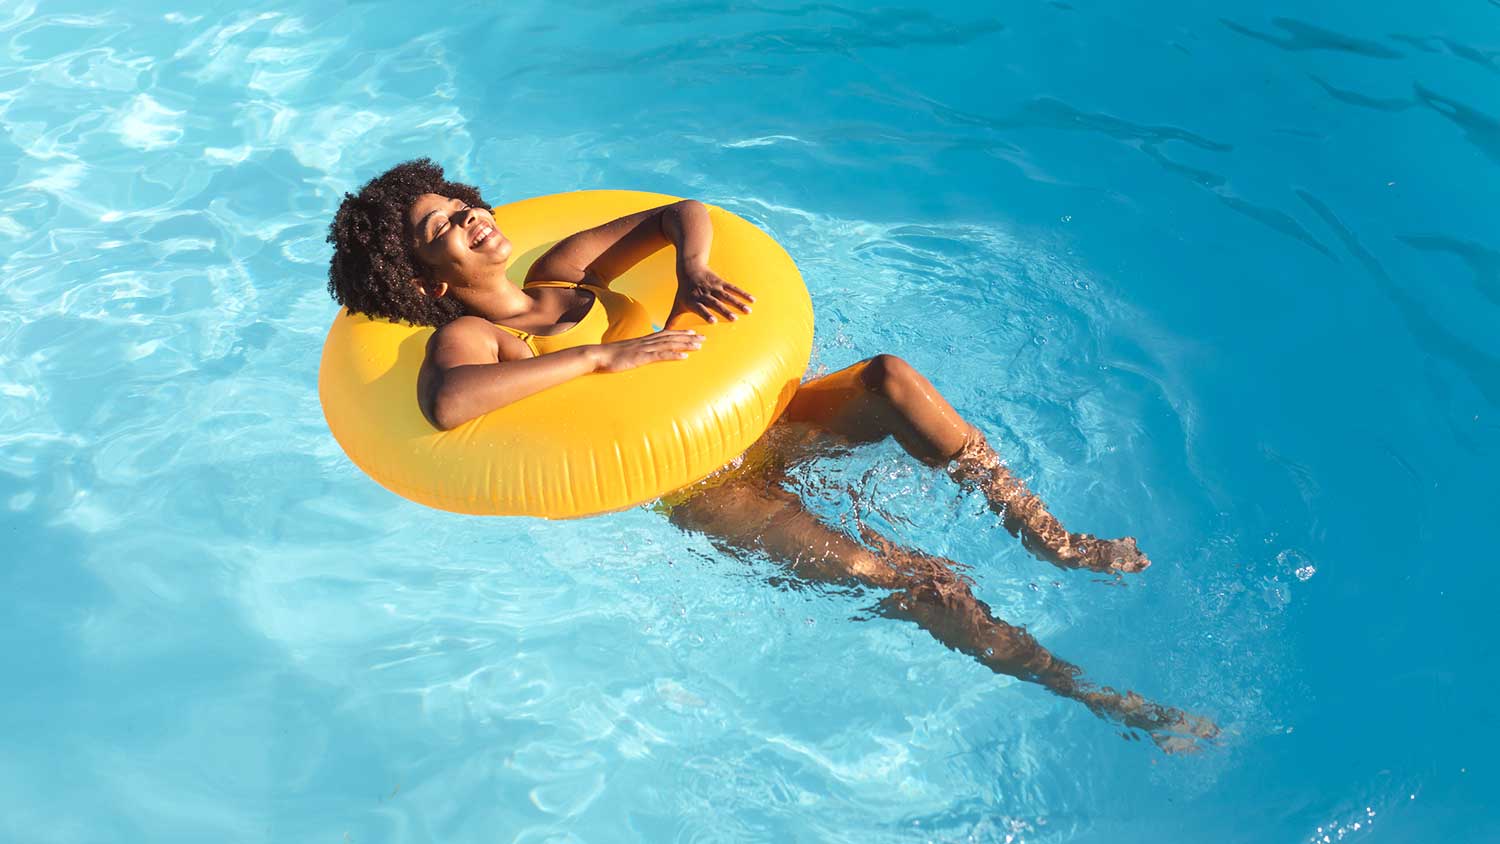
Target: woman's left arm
x: 601, y: 254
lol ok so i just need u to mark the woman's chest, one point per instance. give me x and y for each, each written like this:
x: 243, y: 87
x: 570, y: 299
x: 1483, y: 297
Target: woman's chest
x: 558, y: 310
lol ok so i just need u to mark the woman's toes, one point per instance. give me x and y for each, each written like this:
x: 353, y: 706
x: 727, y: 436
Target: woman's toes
x: 1126, y: 556
x: 1175, y: 745
x: 1107, y: 555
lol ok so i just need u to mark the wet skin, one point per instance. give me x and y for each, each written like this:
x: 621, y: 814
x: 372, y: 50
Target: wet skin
x: 472, y: 367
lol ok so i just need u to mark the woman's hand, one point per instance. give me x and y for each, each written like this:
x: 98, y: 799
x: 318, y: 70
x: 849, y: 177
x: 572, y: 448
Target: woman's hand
x: 701, y: 291
x: 629, y: 354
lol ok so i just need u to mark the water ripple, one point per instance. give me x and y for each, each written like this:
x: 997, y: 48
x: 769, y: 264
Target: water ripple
x: 1480, y: 129
x: 1276, y: 220
x: 1305, y: 36
x: 1481, y: 367
x: 1355, y: 98
x: 1487, y: 59
x: 1481, y: 260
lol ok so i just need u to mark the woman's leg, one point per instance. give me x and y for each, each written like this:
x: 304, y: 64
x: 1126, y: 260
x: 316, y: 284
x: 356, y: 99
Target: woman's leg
x: 756, y: 514
x: 884, y: 396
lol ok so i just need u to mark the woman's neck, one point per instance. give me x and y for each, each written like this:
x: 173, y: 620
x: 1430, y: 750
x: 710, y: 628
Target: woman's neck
x: 502, y: 302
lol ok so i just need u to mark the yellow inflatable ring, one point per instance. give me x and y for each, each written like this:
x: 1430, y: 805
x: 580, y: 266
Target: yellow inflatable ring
x: 598, y: 443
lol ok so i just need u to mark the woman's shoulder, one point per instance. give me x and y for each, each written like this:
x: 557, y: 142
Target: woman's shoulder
x: 473, y: 339
x: 466, y: 324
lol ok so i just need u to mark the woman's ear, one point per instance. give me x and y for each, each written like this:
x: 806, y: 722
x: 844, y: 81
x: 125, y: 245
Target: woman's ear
x: 435, y: 289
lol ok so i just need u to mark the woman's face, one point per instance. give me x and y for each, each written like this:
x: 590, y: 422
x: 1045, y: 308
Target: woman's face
x: 457, y: 245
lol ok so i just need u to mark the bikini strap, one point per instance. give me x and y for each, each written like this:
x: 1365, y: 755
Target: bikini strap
x: 594, y: 288
x: 525, y: 336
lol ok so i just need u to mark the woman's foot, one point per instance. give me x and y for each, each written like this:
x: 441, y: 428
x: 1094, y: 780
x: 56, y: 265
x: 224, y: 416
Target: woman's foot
x: 1173, y: 730
x: 1186, y: 734
x: 1192, y: 735
x: 1086, y: 551
x: 978, y: 466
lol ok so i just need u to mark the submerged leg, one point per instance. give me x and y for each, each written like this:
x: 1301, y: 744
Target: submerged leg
x: 884, y: 396
x: 978, y: 466
x: 926, y: 590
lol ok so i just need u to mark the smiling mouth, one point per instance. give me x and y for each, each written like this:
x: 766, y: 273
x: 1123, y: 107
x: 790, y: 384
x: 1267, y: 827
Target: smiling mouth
x: 484, y: 233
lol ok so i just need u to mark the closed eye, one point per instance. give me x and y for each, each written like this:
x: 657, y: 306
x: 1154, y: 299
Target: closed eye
x: 447, y: 222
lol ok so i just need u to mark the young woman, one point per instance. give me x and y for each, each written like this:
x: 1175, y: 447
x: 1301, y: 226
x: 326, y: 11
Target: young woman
x: 414, y: 247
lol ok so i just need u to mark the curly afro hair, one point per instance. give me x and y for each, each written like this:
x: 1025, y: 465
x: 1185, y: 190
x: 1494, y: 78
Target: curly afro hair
x: 373, y: 264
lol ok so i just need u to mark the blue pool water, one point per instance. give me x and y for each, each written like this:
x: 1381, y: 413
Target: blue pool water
x: 1225, y: 278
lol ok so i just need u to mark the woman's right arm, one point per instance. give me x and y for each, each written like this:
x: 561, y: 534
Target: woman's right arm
x: 470, y: 369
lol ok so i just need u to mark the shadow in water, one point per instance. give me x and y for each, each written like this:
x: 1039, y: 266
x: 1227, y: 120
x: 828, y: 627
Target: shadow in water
x: 1355, y: 98
x: 1305, y: 36
x: 1482, y: 261
x: 1481, y: 368
x: 1480, y: 129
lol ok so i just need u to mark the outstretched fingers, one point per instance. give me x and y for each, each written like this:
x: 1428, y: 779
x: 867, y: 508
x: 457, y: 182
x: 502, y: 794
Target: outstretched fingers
x: 672, y: 344
x: 712, y: 297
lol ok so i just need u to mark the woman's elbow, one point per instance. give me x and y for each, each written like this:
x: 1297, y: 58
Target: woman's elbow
x: 445, y: 413
x: 435, y: 399
x: 452, y: 409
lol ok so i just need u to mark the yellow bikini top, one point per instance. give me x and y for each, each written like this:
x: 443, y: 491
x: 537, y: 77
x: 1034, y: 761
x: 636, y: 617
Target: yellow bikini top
x: 612, y: 316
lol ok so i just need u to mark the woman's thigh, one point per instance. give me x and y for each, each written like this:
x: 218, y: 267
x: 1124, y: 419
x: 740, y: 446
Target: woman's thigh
x: 875, y: 398
x: 753, y: 515
x: 826, y: 417
x: 840, y: 406
x: 830, y: 414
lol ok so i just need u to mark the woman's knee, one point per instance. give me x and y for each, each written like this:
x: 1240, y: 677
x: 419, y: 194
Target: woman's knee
x: 889, y: 376
x: 870, y: 569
